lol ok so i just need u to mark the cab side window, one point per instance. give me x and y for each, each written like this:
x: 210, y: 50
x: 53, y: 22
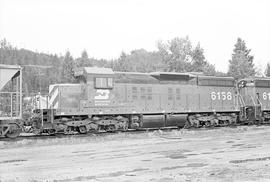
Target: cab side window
x: 110, y: 82
x: 103, y: 83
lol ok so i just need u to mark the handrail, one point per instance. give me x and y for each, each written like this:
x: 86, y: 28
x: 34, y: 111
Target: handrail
x: 242, y: 100
x: 254, y: 104
x: 258, y: 99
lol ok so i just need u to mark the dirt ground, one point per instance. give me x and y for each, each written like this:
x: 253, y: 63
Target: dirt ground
x: 223, y: 154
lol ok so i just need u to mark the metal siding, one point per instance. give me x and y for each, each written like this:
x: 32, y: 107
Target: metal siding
x: 193, y: 98
x: 264, y: 100
x: 54, y: 96
x: 68, y: 99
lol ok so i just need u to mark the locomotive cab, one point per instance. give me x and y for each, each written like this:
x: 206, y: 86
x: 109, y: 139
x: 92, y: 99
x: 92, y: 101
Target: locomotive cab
x: 249, y: 99
x: 97, y: 87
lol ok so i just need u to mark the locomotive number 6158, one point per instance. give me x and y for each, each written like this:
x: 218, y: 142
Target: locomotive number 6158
x: 221, y: 95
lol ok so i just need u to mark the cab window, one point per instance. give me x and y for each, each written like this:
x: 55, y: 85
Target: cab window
x: 103, y: 83
x: 110, y: 82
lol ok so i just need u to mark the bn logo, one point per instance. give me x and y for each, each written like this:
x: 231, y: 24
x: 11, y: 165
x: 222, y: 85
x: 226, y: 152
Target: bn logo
x: 102, y: 94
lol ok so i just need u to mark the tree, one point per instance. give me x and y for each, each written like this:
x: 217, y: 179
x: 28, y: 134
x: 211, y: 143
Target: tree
x: 176, y: 54
x: 123, y: 63
x: 138, y: 60
x: 198, y: 59
x: 199, y: 63
x: 267, y: 71
x: 84, y: 60
x: 68, y: 68
x: 143, y: 61
x: 241, y: 65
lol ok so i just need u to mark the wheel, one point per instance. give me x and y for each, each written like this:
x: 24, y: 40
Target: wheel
x: 13, y: 131
x: 187, y: 125
x: 51, y: 131
x: 110, y: 128
x: 125, y: 128
x: 207, y: 124
x: 68, y: 130
x: 82, y: 129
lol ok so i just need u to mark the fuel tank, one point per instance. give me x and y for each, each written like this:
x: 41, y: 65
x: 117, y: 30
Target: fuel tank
x: 178, y: 120
x: 159, y: 121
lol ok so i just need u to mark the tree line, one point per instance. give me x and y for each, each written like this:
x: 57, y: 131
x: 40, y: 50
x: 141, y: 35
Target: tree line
x: 175, y: 55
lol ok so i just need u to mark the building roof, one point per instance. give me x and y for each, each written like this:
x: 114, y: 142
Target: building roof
x: 5, y: 66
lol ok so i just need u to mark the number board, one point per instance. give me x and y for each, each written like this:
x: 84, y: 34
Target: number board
x: 221, y: 95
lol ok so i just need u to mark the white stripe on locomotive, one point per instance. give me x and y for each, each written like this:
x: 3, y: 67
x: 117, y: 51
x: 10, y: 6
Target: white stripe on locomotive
x: 53, y: 96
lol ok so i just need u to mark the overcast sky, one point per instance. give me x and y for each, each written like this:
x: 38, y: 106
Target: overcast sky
x: 106, y: 27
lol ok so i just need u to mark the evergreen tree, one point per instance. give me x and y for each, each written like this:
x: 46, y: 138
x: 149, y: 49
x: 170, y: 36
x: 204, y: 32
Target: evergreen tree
x: 198, y: 59
x: 209, y: 69
x: 267, y: 71
x: 199, y: 63
x: 68, y: 68
x: 241, y: 65
x: 84, y: 60
x: 123, y: 63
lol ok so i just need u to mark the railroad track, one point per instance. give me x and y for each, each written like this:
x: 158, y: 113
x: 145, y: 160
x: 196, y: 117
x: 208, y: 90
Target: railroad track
x: 62, y: 135
x: 104, y: 133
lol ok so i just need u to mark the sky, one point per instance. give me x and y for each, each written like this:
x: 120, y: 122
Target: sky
x: 105, y: 28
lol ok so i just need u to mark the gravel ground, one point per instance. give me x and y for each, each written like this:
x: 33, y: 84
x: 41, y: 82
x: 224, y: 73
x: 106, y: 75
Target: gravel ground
x: 222, y: 154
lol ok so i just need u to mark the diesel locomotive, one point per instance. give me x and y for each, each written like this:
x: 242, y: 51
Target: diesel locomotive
x: 106, y: 100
